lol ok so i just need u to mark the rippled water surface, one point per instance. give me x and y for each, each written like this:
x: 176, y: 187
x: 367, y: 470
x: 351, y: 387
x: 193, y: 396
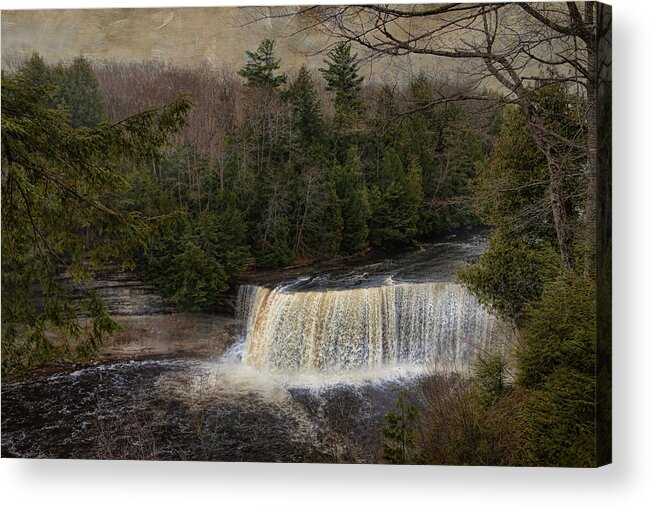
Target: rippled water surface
x: 191, y: 409
x: 228, y: 409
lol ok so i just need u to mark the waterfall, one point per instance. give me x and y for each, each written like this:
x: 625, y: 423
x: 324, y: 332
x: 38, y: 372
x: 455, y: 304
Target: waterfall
x: 439, y: 324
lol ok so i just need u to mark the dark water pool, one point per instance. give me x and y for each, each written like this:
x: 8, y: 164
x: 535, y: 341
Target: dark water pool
x: 193, y: 409
x: 188, y: 409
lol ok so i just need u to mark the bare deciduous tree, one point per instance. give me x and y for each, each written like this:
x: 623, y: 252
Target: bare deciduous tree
x: 508, y: 45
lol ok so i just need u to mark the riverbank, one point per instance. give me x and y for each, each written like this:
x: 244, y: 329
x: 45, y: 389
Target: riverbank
x: 155, y: 336
x: 176, y: 334
x: 152, y: 327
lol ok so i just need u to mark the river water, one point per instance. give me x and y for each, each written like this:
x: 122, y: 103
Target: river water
x: 319, y: 361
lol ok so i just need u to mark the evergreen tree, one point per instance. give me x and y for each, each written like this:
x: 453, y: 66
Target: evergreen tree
x: 556, y: 367
x: 272, y: 215
x: 355, y: 206
x: 319, y: 222
x: 413, y: 185
x: 198, y: 278
x: 191, y: 256
x: 447, y: 148
x: 510, y: 186
x: 521, y: 276
x: 396, y: 199
x: 273, y: 246
x: 306, y: 108
x: 342, y: 77
x: 226, y: 233
x: 77, y: 91
x: 510, y: 194
x: 37, y: 73
x: 391, y: 169
x: 399, y: 432
x: 388, y: 223
x: 511, y: 273
x: 59, y: 187
x: 259, y: 70
x: 381, y: 129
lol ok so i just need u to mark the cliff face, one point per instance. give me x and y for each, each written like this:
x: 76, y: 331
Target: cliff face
x: 178, y: 334
x: 124, y: 294
x: 150, y: 325
x: 127, y: 295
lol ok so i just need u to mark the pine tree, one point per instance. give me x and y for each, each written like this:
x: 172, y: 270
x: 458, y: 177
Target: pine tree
x: 391, y: 169
x: 382, y: 129
x: 413, y: 185
x: 327, y: 240
x: 37, y: 73
x: 317, y: 211
x: 190, y: 256
x: 556, y: 367
x: 259, y: 70
x: 308, y: 120
x: 399, y: 445
x: 274, y: 238
x: 342, y: 77
x: 396, y: 198
x: 521, y: 276
x: 59, y: 187
x: 355, y: 206
x: 77, y: 91
x: 271, y: 216
x: 197, y: 276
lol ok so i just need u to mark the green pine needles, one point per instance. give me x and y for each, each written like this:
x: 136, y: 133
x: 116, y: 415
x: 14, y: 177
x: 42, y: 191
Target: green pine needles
x: 60, y: 221
x: 341, y: 74
x: 259, y: 70
x: 399, y: 432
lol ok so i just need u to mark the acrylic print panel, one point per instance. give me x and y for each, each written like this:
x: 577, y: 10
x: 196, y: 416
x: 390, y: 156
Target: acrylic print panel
x: 337, y: 234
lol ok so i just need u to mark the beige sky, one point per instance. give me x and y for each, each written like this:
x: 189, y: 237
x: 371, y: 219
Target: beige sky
x: 180, y: 36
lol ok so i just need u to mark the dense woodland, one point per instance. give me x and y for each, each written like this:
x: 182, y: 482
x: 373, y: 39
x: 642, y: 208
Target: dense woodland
x: 271, y: 170
x: 190, y: 176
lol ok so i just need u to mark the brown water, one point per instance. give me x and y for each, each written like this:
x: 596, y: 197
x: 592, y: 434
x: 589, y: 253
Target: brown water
x: 310, y: 381
x: 171, y: 409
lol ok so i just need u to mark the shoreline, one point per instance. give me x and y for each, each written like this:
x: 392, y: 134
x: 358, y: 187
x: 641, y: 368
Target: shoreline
x: 142, y: 337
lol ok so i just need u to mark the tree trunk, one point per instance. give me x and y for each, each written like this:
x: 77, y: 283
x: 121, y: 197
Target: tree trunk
x: 590, y: 218
x: 556, y: 178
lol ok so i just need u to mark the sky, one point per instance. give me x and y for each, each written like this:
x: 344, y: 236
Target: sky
x: 181, y: 37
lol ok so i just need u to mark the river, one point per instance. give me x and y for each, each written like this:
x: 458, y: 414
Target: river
x: 318, y: 360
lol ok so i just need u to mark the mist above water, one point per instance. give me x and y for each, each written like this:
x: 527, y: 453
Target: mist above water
x: 404, y: 314
x: 320, y: 361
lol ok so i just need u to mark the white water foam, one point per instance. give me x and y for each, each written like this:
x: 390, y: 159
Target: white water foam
x: 352, y: 335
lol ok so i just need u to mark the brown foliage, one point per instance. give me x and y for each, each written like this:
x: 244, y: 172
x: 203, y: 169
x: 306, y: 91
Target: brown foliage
x: 456, y: 428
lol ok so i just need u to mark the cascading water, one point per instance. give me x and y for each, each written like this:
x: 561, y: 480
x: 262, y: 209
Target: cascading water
x: 439, y: 324
x: 321, y: 361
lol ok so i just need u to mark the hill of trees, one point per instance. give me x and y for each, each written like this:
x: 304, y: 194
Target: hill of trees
x: 261, y: 169
x: 190, y: 176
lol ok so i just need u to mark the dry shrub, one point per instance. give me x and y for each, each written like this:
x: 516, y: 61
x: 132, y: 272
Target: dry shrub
x: 459, y: 427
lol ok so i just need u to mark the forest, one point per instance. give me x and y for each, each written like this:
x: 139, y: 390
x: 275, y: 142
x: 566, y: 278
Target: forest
x: 189, y: 177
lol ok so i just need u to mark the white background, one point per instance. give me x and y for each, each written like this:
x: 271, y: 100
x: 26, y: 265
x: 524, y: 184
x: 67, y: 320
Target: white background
x: 626, y: 482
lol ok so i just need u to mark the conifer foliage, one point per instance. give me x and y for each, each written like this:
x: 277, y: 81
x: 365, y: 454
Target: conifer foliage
x: 102, y: 164
x: 259, y: 70
x: 341, y: 74
x: 59, y: 217
x: 77, y: 90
